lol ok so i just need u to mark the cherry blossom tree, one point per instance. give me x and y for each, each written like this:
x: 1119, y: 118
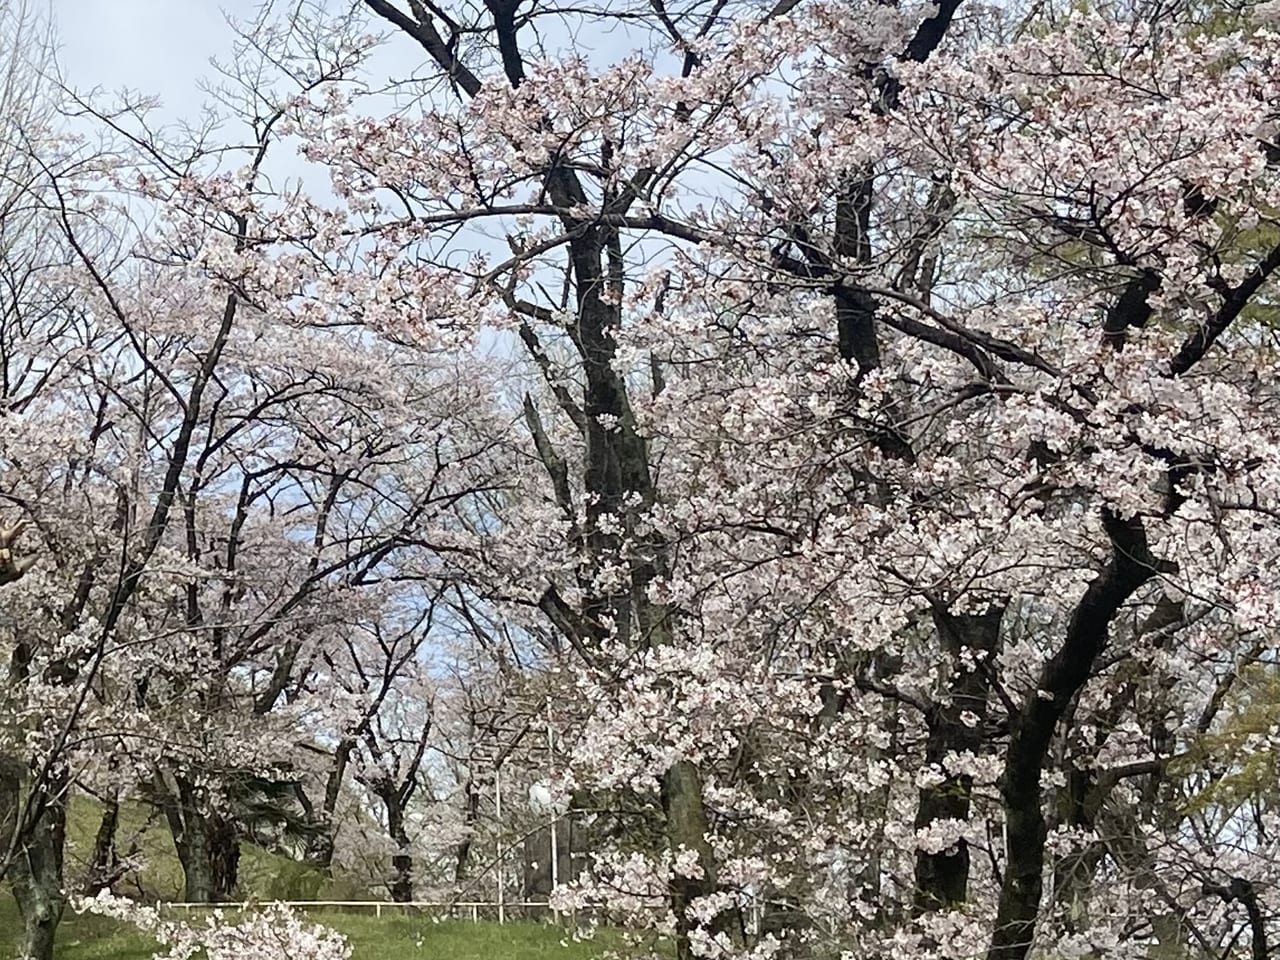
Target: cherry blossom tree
x: 862, y: 415
x: 903, y: 391
x: 223, y: 492
x: 266, y: 935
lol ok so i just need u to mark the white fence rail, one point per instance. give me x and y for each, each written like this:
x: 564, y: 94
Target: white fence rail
x: 451, y: 907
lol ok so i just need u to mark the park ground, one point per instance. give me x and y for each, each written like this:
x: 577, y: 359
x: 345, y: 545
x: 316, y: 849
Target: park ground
x: 372, y: 938
x: 266, y: 877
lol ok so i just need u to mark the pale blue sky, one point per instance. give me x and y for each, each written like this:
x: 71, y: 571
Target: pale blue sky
x: 162, y: 47
x: 159, y: 47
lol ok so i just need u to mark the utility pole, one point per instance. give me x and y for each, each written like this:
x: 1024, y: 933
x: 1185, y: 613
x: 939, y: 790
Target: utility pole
x: 555, y: 853
x: 497, y: 813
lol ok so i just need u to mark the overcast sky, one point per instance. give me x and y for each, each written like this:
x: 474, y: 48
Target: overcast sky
x: 159, y: 47
x: 162, y: 47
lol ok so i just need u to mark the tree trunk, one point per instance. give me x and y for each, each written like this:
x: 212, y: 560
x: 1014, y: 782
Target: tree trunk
x: 36, y: 843
x: 402, y: 877
x: 1131, y: 565
x: 855, y: 310
x: 319, y: 849
x: 401, y: 885
x: 207, y: 844
x: 197, y: 871
x: 686, y: 819
x: 104, y: 864
x: 210, y: 856
x: 320, y: 846
x: 470, y: 816
x: 222, y: 840
x: 942, y: 878
x: 36, y: 874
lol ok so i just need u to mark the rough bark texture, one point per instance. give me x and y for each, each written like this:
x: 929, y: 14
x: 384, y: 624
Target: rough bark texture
x: 686, y: 819
x: 400, y: 883
x: 36, y: 874
x: 1130, y: 566
x: 207, y: 844
x: 942, y: 878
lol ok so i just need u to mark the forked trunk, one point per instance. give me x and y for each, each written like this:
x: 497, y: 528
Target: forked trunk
x: 36, y: 875
x: 207, y: 844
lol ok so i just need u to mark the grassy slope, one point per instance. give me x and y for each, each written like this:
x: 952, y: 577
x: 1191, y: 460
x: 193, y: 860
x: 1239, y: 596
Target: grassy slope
x: 263, y: 875
x: 266, y: 876
x: 388, y: 938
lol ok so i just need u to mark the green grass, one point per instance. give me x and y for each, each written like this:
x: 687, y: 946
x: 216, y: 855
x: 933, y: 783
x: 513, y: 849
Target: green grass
x: 385, y: 938
x: 264, y: 877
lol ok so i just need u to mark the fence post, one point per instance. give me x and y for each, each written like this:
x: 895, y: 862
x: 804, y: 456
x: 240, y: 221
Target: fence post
x: 475, y: 913
x: 377, y: 910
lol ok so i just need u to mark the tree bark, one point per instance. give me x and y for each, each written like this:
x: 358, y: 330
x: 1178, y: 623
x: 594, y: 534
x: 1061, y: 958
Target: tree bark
x: 686, y: 820
x: 36, y: 875
x: 207, y: 844
x: 855, y: 310
x: 34, y: 835
x: 616, y: 472
x: 942, y: 878
x: 320, y: 845
x: 1131, y: 565
x: 401, y: 882
x: 471, y: 815
x: 104, y: 862
x: 1241, y: 891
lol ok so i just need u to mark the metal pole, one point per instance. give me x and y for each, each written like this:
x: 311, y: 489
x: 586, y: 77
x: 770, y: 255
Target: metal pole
x: 555, y: 852
x: 497, y: 812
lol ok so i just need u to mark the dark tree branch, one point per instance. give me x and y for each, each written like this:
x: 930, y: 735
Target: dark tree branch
x: 429, y: 38
x: 1197, y: 345
x: 1241, y: 891
x: 1131, y: 566
x: 1131, y: 308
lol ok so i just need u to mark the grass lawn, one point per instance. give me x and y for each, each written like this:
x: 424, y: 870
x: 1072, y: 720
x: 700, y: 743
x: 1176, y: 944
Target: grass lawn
x: 385, y: 938
x: 264, y: 877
